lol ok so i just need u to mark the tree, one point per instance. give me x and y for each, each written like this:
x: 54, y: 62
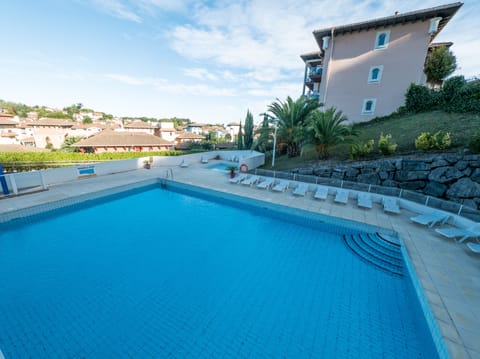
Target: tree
x: 240, y: 138
x: 248, y: 139
x: 68, y: 142
x: 292, y: 117
x: 87, y: 120
x: 439, y: 64
x: 326, y: 129
x: 263, y: 142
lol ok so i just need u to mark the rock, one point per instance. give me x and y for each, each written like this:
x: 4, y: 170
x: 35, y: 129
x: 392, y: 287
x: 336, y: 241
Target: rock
x: 461, y: 165
x: 453, y: 159
x: 351, y: 174
x: 445, y: 174
x: 464, y: 188
x: 384, y: 175
x: 476, y: 175
x: 386, y: 165
x: 390, y: 183
x: 439, y: 163
x: 322, y: 172
x: 411, y: 175
x: 305, y: 171
x: 369, y: 178
x: 435, y: 189
x: 415, y: 165
x: 467, y: 172
x: 413, y: 185
x: 338, y: 173
x: 469, y: 203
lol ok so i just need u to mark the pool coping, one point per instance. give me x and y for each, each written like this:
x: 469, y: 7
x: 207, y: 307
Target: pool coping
x: 445, y: 314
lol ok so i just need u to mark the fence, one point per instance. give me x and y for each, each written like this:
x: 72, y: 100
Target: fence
x: 414, y: 197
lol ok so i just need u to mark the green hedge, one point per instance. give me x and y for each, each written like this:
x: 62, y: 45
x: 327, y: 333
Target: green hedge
x: 9, y: 157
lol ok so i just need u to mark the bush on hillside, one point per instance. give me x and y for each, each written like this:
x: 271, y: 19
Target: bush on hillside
x: 361, y: 149
x: 427, y: 141
x: 474, y: 144
x: 385, y: 147
x: 467, y: 99
x: 451, y: 88
x: 420, y: 99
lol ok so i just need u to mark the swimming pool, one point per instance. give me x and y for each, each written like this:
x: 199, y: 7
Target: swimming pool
x: 174, y: 273
x: 221, y: 166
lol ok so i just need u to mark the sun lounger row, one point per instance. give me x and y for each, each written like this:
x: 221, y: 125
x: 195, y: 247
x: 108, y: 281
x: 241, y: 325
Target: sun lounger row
x: 458, y: 234
x: 364, y: 199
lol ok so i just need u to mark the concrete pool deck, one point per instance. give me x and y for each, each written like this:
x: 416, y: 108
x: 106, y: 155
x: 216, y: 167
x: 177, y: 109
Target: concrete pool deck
x: 448, y: 272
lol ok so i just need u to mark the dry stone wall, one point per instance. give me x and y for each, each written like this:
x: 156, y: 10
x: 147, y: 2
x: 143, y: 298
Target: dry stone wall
x: 452, y: 177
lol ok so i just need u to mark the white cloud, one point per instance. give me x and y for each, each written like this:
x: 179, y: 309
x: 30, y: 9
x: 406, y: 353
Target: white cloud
x: 200, y: 73
x: 117, y: 9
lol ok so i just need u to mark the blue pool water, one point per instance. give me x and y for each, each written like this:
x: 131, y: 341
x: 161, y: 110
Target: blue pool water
x: 163, y: 274
x: 221, y: 166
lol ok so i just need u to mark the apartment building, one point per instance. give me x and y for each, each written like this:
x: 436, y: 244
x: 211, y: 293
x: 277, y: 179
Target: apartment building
x: 365, y: 68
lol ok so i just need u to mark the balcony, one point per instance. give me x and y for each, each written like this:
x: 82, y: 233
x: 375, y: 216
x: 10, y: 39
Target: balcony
x: 315, y: 73
x: 313, y: 95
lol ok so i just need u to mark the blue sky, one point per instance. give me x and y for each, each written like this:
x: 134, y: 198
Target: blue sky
x: 209, y: 61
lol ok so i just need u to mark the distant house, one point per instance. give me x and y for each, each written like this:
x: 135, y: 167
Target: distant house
x: 365, y: 68
x: 85, y: 130
x: 186, y: 139
x: 50, y: 131
x: 196, y: 128
x: 166, y: 130
x: 139, y: 126
x: 232, y: 129
x: 113, y: 141
x: 8, y: 130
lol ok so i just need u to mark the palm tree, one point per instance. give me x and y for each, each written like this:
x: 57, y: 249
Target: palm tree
x: 292, y: 117
x: 326, y: 129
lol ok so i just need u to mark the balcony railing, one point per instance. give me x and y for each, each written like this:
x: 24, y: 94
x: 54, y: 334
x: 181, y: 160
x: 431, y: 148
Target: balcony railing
x: 313, y: 94
x: 315, y: 73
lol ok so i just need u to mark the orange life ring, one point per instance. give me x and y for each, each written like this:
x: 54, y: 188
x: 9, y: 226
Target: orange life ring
x: 243, y: 168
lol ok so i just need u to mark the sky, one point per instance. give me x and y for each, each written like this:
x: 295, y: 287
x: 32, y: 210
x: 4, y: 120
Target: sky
x: 209, y: 61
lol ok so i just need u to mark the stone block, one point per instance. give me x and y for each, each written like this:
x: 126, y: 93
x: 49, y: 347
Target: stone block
x: 475, y: 176
x: 461, y: 165
x: 411, y: 175
x: 384, y: 175
x: 439, y: 163
x: 390, y: 183
x: 415, y: 165
x: 369, y: 178
x: 412, y: 185
x: 435, y: 189
x: 464, y: 188
x: 445, y: 174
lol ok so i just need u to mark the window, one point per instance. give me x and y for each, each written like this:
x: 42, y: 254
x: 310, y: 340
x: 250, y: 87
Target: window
x: 381, y: 40
x: 375, y: 74
x: 369, y: 106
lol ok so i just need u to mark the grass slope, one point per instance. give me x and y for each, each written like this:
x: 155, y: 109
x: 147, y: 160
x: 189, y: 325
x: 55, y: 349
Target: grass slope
x: 404, y: 131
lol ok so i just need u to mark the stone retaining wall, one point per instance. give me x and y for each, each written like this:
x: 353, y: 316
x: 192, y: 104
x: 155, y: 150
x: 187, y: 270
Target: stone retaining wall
x: 452, y: 177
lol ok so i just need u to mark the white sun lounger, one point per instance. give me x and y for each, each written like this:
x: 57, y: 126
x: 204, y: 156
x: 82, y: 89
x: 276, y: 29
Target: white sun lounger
x: 390, y: 205
x: 431, y: 219
x: 321, y: 193
x: 471, y: 232
x: 281, y: 186
x: 364, y: 200
x: 204, y: 160
x: 239, y: 178
x: 184, y: 163
x: 251, y: 180
x: 267, y: 183
x: 341, y: 196
x: 301, y: 189
x: 474, y: 247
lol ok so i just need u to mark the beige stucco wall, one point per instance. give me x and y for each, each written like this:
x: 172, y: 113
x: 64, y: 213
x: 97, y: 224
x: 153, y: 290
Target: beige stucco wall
x: 345, y: 82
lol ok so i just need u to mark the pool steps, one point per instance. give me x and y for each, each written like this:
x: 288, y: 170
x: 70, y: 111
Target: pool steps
x: 381, y: 251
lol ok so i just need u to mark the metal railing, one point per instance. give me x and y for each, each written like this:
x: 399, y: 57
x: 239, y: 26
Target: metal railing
x: 425, y: 200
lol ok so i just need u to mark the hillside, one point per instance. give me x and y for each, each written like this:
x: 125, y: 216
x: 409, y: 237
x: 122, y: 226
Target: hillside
x: 404, y: 130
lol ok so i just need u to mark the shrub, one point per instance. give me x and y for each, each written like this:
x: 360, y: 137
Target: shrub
x: 474, y: 144
x: 467, y: 99
x: 385, y: 147
x: 451, y: 88
x: 440, y: 140
x: 358, y: 150
x: 425, y: 141
x: 420, y: 99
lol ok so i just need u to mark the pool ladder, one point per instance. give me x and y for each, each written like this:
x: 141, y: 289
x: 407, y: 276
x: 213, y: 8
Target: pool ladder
x: 168, y: 175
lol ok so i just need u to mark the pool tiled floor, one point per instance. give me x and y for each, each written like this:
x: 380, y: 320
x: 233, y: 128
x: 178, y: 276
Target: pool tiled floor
x: 448, y: 272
